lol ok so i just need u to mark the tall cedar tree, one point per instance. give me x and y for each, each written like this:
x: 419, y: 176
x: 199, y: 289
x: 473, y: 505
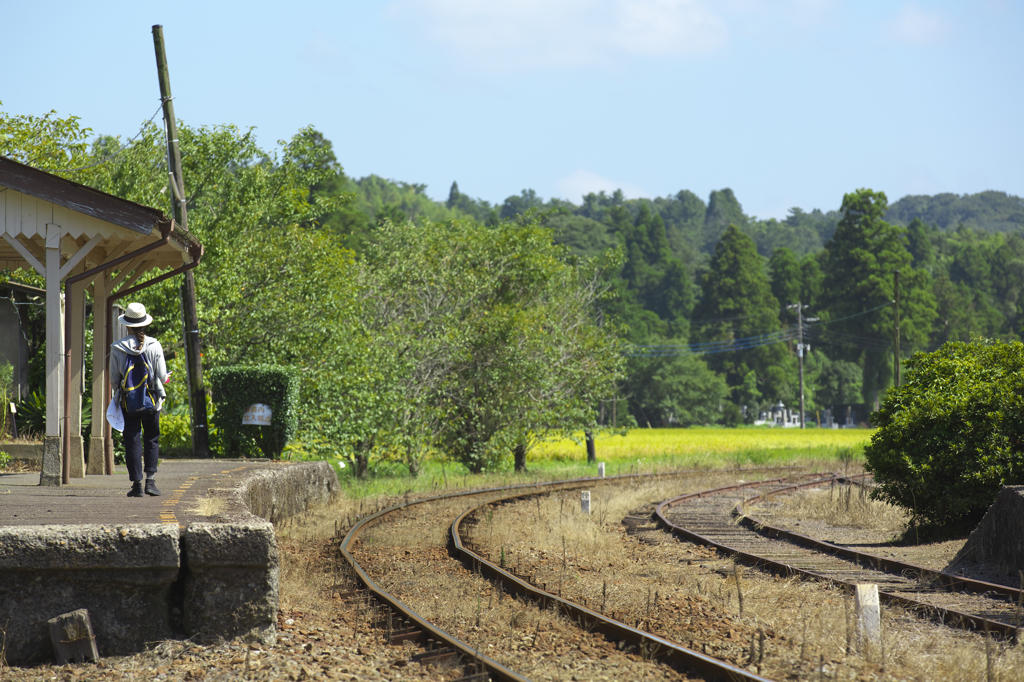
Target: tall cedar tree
x: 863, y: 255
x: 659, y: 279
x: 737, y: 303
x: 723, y: 209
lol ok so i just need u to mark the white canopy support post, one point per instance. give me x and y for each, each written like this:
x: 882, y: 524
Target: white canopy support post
x: 99, y: 375
x: 77, y: 376
x: 52, y: 461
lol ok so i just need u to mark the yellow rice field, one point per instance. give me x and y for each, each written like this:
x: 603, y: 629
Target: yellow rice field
x: 700, y: 444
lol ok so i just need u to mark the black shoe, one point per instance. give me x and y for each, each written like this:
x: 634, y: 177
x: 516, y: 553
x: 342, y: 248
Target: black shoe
x: 136, y: 490
x: 151, y: 488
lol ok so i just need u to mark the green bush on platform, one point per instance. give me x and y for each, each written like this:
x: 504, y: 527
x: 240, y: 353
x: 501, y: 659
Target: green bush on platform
x: 237, y: 387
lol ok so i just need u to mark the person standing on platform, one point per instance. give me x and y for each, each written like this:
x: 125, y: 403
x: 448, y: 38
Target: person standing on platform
x: 138, y: 373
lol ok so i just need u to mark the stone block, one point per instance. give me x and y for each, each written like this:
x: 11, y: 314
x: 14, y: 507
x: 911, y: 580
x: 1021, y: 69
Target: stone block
x: 51, y: 474
x: 95, y: 464
x: 77, y: 469
x: 231, y: 581
x: 123, y: 575
x: 279, y: 493
x: 998, y: 541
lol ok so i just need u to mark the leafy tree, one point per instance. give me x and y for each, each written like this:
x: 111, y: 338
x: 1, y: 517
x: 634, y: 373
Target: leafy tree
x: 675, y: 391
x: 518, y: 205
x: 989, y: 211
x: 478, y: 209
x: 582, y: 236
x: 659, y: 279
x: 811, y: 280
x: 771, y: 235
x: 951, y: 435
x: 683, y: 214
x: 499, y: 331
x: 838, y: 383
x: 863, y: 254
x: 59, y: 145
x: 919, y: 238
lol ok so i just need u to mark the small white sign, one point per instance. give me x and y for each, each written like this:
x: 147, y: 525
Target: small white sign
x: 257, y: 415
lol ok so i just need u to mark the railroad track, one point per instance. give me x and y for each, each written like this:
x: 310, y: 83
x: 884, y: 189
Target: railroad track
x: 717, y: 518
x: 403, y: 624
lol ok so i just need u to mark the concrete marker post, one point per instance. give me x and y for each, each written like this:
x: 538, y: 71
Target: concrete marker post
x: 869, y: 617
x: 600, y: 470
x: 585, y: 502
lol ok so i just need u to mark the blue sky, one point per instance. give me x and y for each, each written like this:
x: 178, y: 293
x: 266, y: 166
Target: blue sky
x: 788, y: 102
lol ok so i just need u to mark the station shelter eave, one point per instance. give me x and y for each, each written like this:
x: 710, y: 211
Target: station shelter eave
x: 103, y: 245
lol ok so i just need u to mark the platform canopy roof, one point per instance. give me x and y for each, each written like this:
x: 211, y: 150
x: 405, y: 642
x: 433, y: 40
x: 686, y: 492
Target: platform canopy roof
x: 93, y: 241
x: 94, y: 227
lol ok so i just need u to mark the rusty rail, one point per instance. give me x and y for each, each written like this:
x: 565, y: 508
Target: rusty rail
x: 944, y: 580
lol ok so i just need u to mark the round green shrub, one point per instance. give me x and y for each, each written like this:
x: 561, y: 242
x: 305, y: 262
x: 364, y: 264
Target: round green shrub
x: 953, y: 433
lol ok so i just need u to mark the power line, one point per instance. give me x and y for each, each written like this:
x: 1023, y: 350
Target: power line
x: 764, y: 339
x: 712, y: 347
x: 850, y: 317
x: 108, y: 157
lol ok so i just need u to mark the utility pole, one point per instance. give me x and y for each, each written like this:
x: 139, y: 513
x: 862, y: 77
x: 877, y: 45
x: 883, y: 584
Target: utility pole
x: 800, y: 355
x: 193, y: 359
x: 896, y: 354
x: 800, y: 348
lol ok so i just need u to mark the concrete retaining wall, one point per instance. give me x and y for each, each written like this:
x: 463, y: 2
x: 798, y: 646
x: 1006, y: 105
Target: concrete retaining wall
x: 998, y: 541
x: 232, y: 578
x: 147, y: 583
x: 122, y: 574
x: 28, y: 452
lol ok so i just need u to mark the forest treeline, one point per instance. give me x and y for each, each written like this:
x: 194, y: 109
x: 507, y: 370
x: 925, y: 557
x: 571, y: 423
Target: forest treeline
x: 474, y: 329
x: 707, y: 294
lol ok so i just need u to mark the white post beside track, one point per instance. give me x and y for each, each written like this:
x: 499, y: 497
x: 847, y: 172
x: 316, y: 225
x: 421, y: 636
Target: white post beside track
x: 869, y: 618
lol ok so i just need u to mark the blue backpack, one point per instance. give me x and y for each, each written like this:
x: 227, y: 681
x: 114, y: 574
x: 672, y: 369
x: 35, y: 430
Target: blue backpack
x: 136, y: 397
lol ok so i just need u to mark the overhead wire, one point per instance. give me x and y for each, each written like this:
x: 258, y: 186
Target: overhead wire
x: 110, y: 156
x: 764, y: 339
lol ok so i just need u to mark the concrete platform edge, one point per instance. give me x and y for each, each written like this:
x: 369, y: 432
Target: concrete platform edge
x: 150, y: 582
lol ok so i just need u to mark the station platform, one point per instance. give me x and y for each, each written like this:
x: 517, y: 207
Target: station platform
x: 101, y: 499
x: 198, y: 561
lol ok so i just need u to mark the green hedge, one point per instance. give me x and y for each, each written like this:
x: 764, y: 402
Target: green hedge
x: 237, y: 387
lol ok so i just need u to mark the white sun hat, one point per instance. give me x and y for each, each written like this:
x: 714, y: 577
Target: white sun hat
x: 135, y: 316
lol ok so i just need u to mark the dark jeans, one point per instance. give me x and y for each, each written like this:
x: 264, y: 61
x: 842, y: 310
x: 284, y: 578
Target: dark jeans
x: 141, y: 440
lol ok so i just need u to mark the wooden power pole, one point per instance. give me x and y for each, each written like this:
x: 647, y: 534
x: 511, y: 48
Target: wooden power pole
x: 800, y: 355
x: 896, y: 330
x: 193, y: 360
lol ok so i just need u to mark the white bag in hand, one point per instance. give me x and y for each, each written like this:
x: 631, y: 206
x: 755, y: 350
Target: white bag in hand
x: 115, y: 416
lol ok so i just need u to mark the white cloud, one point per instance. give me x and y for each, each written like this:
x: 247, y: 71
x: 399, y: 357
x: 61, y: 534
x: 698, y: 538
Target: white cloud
x: 918, y: 26
x: 518, y: 33
x: 576, y: 185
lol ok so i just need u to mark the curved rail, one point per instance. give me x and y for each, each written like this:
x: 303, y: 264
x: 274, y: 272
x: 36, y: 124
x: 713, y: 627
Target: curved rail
x: 863, y: 560
x: 715, y: 669
x: 661, y: 648
x: 428, y: 629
